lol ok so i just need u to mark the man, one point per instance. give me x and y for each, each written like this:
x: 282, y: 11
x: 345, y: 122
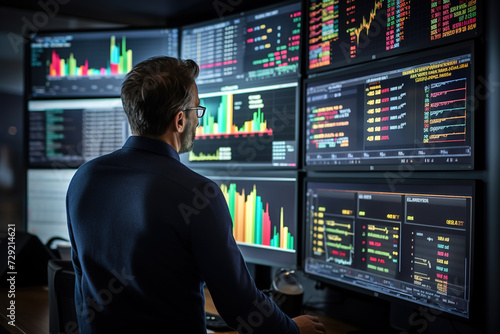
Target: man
x: 147, y: 232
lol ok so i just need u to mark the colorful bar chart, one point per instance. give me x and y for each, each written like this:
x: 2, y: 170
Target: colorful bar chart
x: 222, y: 123
x: 252, y: 219
x: 236, y: 122
x: 119, y: 63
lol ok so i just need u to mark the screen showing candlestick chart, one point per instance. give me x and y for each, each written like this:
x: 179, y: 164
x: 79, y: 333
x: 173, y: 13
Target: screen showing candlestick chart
x: 342, y: 33
x: 416, y: 112
x: 403, y: 240
x: 92, y: 64
x: 264, y: 216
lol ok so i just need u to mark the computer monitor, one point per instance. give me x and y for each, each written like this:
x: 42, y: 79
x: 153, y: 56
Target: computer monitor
x: 342, y: 33
x: 263, y: 207
x: 414, y: 112
x: 249, y: 82
x: 46, y: 202
x: 61, y: 135
x: 91, y: 63
x: 410, y: 241
x: 67, y: 133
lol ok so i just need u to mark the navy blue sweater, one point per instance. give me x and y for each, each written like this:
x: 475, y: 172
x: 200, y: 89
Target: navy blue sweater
x: 147, y: 232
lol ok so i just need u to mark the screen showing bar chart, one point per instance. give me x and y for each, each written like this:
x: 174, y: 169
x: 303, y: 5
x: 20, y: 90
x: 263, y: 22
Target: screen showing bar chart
x: 252, y: 127
x: 249, y: 82
x: 92, y: 64
x: 263, y: 210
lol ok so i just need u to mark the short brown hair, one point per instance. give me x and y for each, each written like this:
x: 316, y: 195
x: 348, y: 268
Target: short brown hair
x: 155, y: 90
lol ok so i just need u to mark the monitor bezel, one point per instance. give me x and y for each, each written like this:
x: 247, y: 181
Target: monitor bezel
x: 28, y: 75
x: 385, y: 65
x: 475, y: 268
x: 63, y: 164
x: 298, y: 97
x: 254, y: 147
x: 246, y: 14
x: 234, y: 173
x: 394, y: 52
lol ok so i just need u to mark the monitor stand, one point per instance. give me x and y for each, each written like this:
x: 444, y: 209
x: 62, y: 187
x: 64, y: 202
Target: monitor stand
x: 261, y: 275
x: 412, y: 319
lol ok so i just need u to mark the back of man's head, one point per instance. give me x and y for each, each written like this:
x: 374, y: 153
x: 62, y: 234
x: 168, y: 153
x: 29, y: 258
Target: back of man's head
x: 155, y: 90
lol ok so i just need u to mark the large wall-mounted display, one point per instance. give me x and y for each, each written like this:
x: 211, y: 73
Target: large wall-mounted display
x: 413, y: 110
x: 342, y: 33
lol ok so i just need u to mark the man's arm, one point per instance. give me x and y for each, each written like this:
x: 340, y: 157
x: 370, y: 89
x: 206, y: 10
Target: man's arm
x: 240, y: 303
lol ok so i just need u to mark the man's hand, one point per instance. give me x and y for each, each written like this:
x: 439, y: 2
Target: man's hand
x: 309, y: 324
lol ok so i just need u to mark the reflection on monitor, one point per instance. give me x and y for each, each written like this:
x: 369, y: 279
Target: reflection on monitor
x: 264, y: 213
x: 46, y: 202
x: 67, y: 133
x: 94, y: 63
x: 407, y: 241
x: 249, y: 72
x: 342, y: 33
x: 417, y: 112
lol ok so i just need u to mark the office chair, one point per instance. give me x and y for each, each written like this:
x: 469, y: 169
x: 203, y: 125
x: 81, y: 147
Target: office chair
x: 62, y: 311
x: 31, y: 260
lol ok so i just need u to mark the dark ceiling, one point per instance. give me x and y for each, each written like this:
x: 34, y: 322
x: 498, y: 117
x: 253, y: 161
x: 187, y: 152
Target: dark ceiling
x: 16, y: 16
x: 142, y: 12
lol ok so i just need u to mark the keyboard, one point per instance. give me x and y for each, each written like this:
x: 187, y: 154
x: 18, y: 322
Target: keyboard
x: 216, y: 323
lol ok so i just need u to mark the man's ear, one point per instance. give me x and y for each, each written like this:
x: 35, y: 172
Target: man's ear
x: 180, y: 121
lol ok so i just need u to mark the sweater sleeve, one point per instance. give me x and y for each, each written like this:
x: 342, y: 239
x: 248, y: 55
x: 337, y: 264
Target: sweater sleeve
x: 237, y: 299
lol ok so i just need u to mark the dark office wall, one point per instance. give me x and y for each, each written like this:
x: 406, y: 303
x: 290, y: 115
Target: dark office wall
x: 11, y: 122
x: 493, y: 165
x: 11, y: 160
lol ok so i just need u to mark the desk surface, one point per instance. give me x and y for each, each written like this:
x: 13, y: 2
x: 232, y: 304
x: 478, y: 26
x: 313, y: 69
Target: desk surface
x: 32, y: 312
x: 332, y: 326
